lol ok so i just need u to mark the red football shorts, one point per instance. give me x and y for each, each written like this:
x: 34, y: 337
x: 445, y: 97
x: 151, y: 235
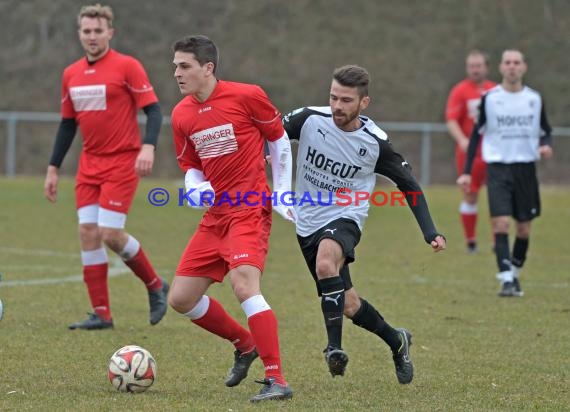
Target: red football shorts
x: 224, y: 241
x: 110, y: 181
x: 478, y: 170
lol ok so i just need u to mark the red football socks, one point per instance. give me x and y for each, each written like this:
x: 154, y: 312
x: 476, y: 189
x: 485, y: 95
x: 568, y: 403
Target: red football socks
x: 220, y: 323
x: 263, y: 326
x: 95, y: 277
x: 141, y: 267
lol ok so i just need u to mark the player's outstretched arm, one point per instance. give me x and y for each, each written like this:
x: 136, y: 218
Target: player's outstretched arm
x: 394, y: 167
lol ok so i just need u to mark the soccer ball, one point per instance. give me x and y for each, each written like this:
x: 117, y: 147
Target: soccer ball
x: 132, y: 369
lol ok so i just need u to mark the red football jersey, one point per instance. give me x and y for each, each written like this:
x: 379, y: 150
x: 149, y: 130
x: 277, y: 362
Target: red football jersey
x: 103, y: 98
x: 224, y: 137
x: 463, y: 103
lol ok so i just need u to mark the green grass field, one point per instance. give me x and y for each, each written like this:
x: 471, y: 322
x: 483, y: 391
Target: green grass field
x: 471, y: 349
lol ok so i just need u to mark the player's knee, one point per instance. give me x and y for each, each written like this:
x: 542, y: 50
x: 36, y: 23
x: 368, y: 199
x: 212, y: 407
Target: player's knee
x: 351, y: 303
x: 242, y: 291
x: 113, y: 238
x: 523, y: 230
x: 350, y: 308
x: 471, y: 198
x: 245, y: 280
x: 181, y: 303
x: 177, y: 304
x: 501, y: 229
x: 325, y: 268
x: 245, y: 289
x: 89, y: 233
x: 500, y: 225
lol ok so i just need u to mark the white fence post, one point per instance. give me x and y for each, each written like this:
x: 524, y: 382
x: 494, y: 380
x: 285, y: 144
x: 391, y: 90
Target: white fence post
x: 10, y: 159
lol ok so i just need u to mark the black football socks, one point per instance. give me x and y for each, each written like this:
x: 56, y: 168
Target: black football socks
x: 369, y: 318
x: 332, y: 305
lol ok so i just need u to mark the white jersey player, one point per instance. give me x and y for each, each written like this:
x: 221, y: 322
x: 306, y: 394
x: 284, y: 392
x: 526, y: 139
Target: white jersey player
x: 515, y: 133
x: 340, y: 153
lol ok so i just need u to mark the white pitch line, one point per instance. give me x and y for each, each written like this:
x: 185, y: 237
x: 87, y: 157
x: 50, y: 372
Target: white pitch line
x: 26, y: 268
x: 113, y: 272
x: 36, y: 252
x: 117, y: 268
x: 430, y: 281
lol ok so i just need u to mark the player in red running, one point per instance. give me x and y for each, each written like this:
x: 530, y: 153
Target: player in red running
x: 461, y: 114
x: 219, y: 132
x: 101, y: 94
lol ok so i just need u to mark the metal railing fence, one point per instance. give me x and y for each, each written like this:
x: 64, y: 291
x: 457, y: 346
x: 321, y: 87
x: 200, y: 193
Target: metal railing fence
x: 425, y: 131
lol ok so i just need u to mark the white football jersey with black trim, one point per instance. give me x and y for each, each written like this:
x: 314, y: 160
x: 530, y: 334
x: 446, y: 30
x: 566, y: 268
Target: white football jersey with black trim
x: 512, y: 128
x: 330, y: 159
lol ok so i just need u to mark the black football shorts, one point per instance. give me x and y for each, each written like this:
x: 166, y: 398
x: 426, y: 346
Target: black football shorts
x: 343, y: 231
x: 513, y: 190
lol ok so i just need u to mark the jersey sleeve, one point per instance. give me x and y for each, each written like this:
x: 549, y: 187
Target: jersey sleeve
x: 546, y: 134
x: 294, y: 121
x: 476, y: 136
x: 394, y: 167
x: 138, y: 84
x: 66, y: 108
x: 264, y: 114
x: 186, y: 155
x: 455, y: 108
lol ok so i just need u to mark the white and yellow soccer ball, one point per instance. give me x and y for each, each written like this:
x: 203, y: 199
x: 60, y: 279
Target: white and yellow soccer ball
x: 1, y: 309
x: 132, y: 369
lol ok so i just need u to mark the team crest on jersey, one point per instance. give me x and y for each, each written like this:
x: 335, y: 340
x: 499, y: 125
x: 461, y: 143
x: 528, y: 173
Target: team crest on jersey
x: 362, y: 151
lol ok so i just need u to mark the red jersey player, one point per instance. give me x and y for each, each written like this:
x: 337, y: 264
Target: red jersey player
x: 219, y: 132
x: 101, y: 94
x: 461, y: 114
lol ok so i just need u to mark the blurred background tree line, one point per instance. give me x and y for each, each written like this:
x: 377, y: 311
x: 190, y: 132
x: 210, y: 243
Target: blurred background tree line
x: 414, y: 50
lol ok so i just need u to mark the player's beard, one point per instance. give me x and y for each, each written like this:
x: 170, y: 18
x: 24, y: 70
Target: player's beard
x: 95, y: 51
x: 477, y: 78
x: 345, y: 119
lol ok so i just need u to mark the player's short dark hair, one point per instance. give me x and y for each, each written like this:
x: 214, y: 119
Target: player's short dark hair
x: 203, y: 49
x: 353, y: 76
x: 96, y: 11
x: 479, y: 52
x: 515, y: 50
